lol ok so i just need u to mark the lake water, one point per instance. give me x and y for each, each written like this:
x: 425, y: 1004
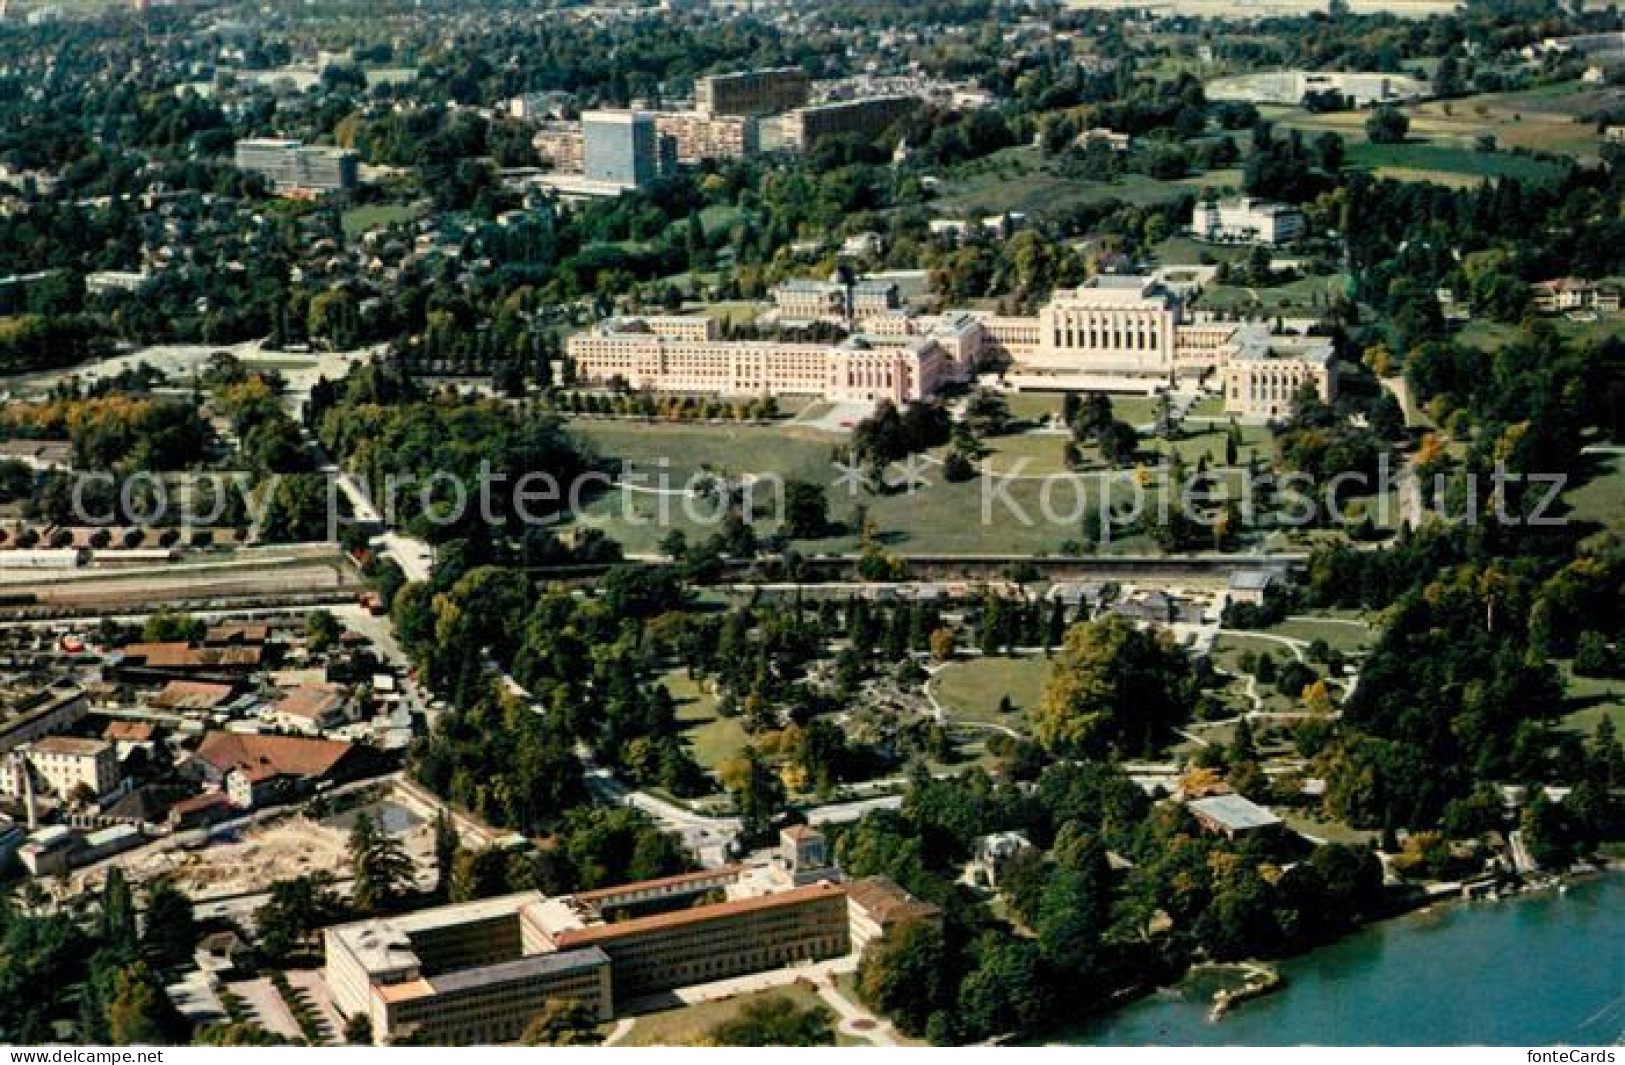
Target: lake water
x: 1535, y: 970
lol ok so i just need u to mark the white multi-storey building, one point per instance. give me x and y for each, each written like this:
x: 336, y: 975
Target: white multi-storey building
x: 1246, y: 221
x: 1265, y: 374
x: 62, y: 764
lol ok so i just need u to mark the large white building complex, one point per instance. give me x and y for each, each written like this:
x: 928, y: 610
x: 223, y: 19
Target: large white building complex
x: 1362, y: 88
x: 1113, y: 334
x: 686, y: 355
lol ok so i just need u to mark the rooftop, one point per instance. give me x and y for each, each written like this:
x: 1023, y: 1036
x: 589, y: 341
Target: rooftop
x: 287, y: 755
x: 191, y: 695
x: 1234, y: 812
x: 1251, y: 580
x: 660, y: 921
x: 886, y: 902
x: 70, y: 745
x: 519, y: 968
x: 310, y: 701
x: 385, y: 944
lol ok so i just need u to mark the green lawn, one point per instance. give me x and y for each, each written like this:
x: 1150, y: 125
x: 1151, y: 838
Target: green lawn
x: 1033, y: 406
x: 680, y: 450
x: 1491, y: 336
x: 1600, y: 500
x: 1330, y: 831
x: 687, y: 1025
x: 719, y: 217
x: 938, y: 517
x: 1448, y: 164
x: 712, y: 737
x: 1207, y: 441
x: 1592, y: 699
x: 1183, y: 251
x: 1340, y: 635
x: 1020, y: 180
x: 985, y: 515
x: 358, y: 220
x: 1542, y: 119
x: 1306, y: 295
x: 1227, y: 652
x: 971, y: 688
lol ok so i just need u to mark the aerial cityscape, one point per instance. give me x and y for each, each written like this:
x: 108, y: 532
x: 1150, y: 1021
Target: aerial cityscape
x: 820, y: 523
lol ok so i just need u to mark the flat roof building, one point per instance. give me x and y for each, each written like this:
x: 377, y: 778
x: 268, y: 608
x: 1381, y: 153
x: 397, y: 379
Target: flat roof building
x: 1245, y: 220
x: 1232, y: 815
x: 478, y: 972
x: 620, y: 147
x: 867, y: 117
x: 1264, y: 377
x: 752, y: 92
x: 292, y: 166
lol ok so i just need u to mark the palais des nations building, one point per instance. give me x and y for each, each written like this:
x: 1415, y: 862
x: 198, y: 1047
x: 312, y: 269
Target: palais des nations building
x: 1116, y: 333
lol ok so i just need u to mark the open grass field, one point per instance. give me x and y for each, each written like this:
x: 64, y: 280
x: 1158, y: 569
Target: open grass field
x: 1591, y: 700
x: 682, y: 450
x: 1200, y: 442
x: 1034, y: 406
x: 971, y: 688
x: 1305, y: 296
x: 1448, y: 164
x: 358, y: 220
x: 1444, y: 133
x: 1311, y: 824
x: 687, y: 1025
x: 1492, y: 336
x: 1015, y: 508
x: 1183, y: 251
x: 1019, y: 180
x: 1600, y: 501
x: 719, y: 217
x: 711, y: 736
x: 1346, y: 634
x: 1227, y: 651
x: 937, y: 517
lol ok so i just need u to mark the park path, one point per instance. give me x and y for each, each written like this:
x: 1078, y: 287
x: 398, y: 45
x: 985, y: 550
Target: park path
x: 855, y: 1021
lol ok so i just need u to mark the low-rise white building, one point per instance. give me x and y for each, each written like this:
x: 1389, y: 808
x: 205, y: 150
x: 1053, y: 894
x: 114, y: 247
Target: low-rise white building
x: 1266, y: 373
x: 1246, y: 221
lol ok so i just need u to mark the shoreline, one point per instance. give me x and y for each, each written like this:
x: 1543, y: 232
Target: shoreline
x: 1256, y: 987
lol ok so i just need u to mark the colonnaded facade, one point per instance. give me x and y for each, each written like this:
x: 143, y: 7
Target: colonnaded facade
x: 1113, y: 334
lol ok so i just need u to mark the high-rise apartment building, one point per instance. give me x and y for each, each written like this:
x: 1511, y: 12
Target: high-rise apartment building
x: 620, y: 147
x: 753, y: 92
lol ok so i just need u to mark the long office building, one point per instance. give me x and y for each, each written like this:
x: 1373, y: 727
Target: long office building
x: 294, y: 167
x: 651, y: 353
x: 663, y: 951
x: 753, y: 92
x: 479, y: 972
x: 1113, y: 334
x: 866, y: 117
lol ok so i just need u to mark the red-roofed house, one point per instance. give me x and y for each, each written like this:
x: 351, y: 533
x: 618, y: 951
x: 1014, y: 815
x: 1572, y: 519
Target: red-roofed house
x: 312, y: 708
x: 192, y: 695
x: 257, y: 769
